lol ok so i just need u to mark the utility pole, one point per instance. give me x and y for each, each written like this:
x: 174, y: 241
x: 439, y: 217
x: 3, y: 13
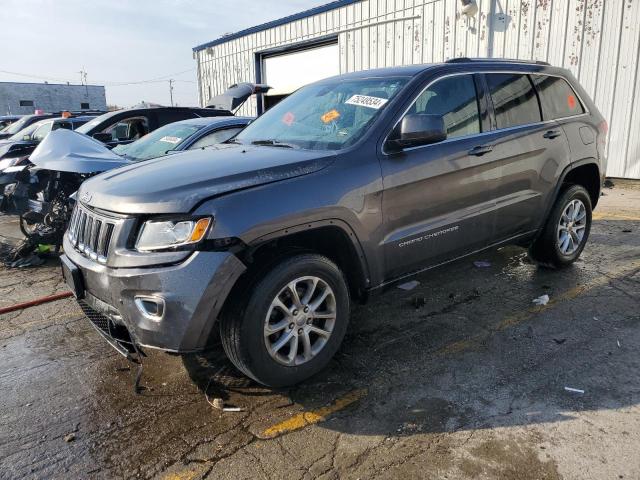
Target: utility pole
x: 83, y: 76
x: 171, y: 90
x: 83, y: 80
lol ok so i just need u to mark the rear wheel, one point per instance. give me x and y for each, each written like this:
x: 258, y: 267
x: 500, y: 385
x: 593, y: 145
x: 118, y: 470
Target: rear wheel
x: 566, y: 231
x: 292, y: 323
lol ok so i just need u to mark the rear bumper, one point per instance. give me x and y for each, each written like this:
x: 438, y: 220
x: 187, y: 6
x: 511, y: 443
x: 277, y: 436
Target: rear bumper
x: 193, y: 293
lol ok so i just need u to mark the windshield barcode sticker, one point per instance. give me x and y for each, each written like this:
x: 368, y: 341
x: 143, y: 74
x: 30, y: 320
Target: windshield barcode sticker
x: 366, y: 101
x: 172, y: 140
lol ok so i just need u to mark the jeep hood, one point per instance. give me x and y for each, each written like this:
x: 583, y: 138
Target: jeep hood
x: 67, y: 151
x: 177, y: 183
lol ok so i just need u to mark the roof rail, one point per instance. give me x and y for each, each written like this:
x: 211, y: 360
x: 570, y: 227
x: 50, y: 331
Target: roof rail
x: 506, y: 60
x: 78, y: 112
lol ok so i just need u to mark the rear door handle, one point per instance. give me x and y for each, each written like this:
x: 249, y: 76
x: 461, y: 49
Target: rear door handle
x: 480, y: 150
x: 552, y: 134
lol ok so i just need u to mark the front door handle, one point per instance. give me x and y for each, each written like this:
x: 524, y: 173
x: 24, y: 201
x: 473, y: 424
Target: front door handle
x: 552, y: 134
x: 480, y: 150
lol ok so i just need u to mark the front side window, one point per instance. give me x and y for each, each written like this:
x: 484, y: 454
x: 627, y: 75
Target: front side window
x: 455, y: 100
x: 514, y: 99
x: 128, y: 129
x: 215, y: 137
x: 557, y: 97
x: 41, y: 132
x: 323, y: 116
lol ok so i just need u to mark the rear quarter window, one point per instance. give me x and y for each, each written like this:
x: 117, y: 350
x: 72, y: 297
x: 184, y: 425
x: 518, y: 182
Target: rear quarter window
x: 514, y: 99
x: 557, y: 97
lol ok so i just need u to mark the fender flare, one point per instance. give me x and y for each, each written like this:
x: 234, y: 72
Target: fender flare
x: 314, y: 225
x: 556, y: 193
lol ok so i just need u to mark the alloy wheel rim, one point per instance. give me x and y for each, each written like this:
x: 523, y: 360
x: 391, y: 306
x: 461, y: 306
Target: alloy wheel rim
x: 572, y: 227
x: 300, y: 321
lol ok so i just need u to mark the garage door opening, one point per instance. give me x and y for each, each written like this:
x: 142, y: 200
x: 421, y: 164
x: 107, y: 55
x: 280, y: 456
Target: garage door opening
x: 286, y: 72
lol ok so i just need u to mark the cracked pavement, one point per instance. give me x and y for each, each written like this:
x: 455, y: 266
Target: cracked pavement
x: 461, y: 377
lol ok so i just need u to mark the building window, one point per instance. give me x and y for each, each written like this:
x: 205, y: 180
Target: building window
x: 26, y: 103
x: 84, y: 105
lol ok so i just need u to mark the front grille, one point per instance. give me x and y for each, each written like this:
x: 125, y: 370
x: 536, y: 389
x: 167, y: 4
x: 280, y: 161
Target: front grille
x: 97, y: 318
x: 91, y: 234
x: 114, y: 331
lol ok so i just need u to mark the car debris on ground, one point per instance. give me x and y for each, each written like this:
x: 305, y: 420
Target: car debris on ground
x: 409, y: 285
x: 541, y: 300
x: 573, y: 390
x: 482, y: 263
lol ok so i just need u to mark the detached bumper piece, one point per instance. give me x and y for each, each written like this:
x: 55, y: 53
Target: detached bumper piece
x: 118, y: 337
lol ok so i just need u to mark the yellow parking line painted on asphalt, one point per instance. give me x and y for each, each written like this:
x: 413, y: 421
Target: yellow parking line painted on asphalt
x: 304, y: 419
x: 519, y: 317
x: 456, y: 347
x: 570, y: 294
x: 187, y: 474
x: 615, y: 216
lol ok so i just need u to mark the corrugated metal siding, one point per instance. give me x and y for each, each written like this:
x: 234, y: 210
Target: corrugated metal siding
x: 598, y: 40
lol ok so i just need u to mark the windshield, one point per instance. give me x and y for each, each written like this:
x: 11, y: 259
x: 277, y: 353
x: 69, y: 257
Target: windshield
x: 15, y: 127
x: 158, y: 142
x: 25, y: 131
x: 325, y: 116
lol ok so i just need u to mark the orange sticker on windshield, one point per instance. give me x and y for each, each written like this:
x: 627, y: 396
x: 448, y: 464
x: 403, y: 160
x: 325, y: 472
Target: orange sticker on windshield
x: 330, y: 116
x: 288, y: 119
x: 571, y: 101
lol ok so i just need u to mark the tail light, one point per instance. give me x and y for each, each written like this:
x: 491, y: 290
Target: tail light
x: 603, y: 128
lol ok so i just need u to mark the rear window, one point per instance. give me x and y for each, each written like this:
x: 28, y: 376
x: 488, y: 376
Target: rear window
x: 557, y: 97
x: 514, y: 99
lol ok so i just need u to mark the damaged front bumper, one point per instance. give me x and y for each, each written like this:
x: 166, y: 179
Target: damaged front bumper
x: 171, y: 308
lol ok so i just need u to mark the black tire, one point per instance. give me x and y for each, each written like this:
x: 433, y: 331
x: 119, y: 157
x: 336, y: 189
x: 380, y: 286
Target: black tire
x: 242, y: 324
x: 545, y: 249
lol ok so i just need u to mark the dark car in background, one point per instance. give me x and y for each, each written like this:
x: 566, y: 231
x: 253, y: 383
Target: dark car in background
x: 343, y: 188
x: 6, y: 120
x: 126, y: 126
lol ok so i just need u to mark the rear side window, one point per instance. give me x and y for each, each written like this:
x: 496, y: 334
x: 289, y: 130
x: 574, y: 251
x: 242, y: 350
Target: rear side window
x: 514, y: 99
x: 557, y: 97
x: 453, y: 98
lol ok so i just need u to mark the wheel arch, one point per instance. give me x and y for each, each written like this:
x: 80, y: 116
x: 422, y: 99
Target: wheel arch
x: 332, y: 238
x: 586, y: 174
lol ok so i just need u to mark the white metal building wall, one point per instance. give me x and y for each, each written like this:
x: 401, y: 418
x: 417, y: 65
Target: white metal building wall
x: 598, y: 40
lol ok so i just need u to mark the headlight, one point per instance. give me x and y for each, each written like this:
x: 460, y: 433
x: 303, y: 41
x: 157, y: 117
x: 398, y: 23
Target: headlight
x: 160, y: 235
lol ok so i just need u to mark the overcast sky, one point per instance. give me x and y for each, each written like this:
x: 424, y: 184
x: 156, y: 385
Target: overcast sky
x: 120, y: 41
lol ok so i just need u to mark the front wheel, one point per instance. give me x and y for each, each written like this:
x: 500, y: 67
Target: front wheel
x: 292, y: 323
x: 567, y: 229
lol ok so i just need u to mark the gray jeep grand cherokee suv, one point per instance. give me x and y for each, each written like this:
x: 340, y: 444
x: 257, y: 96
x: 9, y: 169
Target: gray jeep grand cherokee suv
x: 346, y: 186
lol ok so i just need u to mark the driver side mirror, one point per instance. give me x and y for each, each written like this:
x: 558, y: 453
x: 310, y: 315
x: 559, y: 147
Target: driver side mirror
x: 418, y: 129
x: 102, y: 137
x: 26, y: 138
